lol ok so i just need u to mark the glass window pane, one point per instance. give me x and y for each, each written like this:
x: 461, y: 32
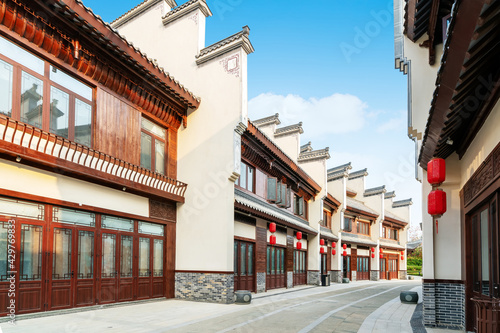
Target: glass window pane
x: 153, y: 128
x: 18, y: 208
x: 151, y: 228
x: 282, y: 261
x: 85, y: 255
x: 117, y: 223
x: 235, y: 258
x: 126, y: 256
x: 268, y: 260
x: 83, y: 123
x: 59, y: 112
x: 68, y: 82
x: 160, y: 157
x: 4, y: 231
x: 250, y: 179
x: 64, y: 215
x: 6, y: 88
x: 274, y: 266
x: 243, y: 175
x: 108, y: 255
x: 146, y: 150
x: 485, y: 258
x: 158, y: 257
x: 144, y: 256
x: 243, y: 270
x: 22, y: 56
x: 31, y: 252
x: 61, y: 258
x: 250, y: 259
x: 31, y: 100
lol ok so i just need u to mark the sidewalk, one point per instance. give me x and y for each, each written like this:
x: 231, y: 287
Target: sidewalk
x: 164, y: 315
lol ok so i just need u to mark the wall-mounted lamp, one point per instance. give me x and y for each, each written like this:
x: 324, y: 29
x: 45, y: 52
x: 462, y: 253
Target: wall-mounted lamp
x: 18, y: 159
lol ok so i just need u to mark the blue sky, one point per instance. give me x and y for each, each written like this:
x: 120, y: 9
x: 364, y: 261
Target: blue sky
x: 330, y: 64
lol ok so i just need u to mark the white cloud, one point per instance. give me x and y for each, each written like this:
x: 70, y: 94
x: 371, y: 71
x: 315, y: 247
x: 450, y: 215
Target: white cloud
x: 392, y: 124
x: 338, y: 113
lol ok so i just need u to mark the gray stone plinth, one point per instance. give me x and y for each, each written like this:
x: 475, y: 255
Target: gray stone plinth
x: 353, y: 275
x: 313, y: 278
x: 402, y: 275
x: 336, y: 276
x: 242, y: 297
x: 444, y: 305
x: 289, y: 279
x: 261, y: 282
x: 374, y: 275
x: 206, y: 287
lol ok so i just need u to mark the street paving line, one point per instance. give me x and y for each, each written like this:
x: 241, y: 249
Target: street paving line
x: 288, y: 307
x: 321, y: 319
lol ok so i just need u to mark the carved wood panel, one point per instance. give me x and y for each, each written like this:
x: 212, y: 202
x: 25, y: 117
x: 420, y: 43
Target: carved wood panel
x: 164, y: 210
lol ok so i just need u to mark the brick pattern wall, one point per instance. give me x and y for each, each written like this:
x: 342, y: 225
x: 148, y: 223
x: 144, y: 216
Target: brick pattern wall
x: 374, y: 275
x: 261, y: 282
x: 206, y: 287
x: 444, y: 305
x: 313, y: 278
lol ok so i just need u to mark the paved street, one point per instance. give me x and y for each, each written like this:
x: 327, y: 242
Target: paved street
x: 358, y: 306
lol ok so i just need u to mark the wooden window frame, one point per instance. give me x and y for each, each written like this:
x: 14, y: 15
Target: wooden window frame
x: 327, y: 219
x: 154, y: 138
x: 299, y: 206
x: 364, y: 225
x: 247, y: 167
x: 46, y: 95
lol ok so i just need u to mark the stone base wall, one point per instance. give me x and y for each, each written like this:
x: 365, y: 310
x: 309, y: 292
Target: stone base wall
x: 336, y: 276
x: 374, y: 275
x: 261, y: 282
x: 444, y: 305
x: 353, y: 275
x: 313, y: 278
x: 289, y: 279
x: 206, y: 287
x: 403, y: 275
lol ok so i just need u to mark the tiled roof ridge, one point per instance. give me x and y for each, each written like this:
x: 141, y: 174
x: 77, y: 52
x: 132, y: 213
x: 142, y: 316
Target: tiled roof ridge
x: 181, y: 7
x: 289, y: 129
x: 245, y: 32
x: 389, y: 195
x: 314, y: 154
x: 358, y: 174
x: 374, y: 191
x: 402, y: 203
x: 343, y: 167
x: 153, y: 62
x: 267, y: 120
x: 138, y: 9
x: 306, y: 148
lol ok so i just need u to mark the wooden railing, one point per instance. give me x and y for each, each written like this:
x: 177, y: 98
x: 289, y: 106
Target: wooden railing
x: 42, y: 142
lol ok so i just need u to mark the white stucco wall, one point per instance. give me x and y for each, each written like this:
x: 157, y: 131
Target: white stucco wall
x: 290, y: 144
x: 244, y: 230
x: 25, y: 179
x: 358, y: 185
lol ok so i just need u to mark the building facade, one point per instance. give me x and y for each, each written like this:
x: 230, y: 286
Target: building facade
x: 449, y: 52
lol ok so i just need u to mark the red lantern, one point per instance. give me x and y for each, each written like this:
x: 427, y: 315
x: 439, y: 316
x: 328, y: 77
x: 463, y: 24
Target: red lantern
x: 334, y: 252
x: 436, y: 171
x: 436, y: 202
x: 373, y: 255
x: 334, y: 245
x: 299, y: 235
x: 322, y: 250
x: 402, y: 258
x: 344, y: 246
x: 381, y: 251
x: 381, y: 256
x: 344, y: 253
x: 373, y: 249
x: 321, y: 242
x: 299, y: 245
x: 402, y: 253
x: 272, y: 239
x: 272, y: 227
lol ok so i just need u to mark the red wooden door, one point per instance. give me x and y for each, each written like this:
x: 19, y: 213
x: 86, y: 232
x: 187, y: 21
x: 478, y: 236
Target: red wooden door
x: 126, y: 268
x: 158, y: 285
x: 299, y: 267
x: 383, y: 268
x: 393, y: 269
x: 108, y: 268
x: 244, y: 276
x: 61, y: 267
x: 275, y: 277
x: 85, y: 271
x: 145, y: 276
x: 362, y: 268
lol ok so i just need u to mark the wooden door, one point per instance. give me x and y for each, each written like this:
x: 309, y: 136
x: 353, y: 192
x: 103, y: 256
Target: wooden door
x: 362, y: 268
x: 158, y: 285
x: 126, y: 268
x: 383, y: 269
x: 346, y: 267
x: 275, y: 277
x: 299, y: 267
x: 244, y: 266
x: 61, y: 267
x: 393, y: 268
x: 108, y: 268
x: 145, y: 276
x: 9, y: 260
x: 85, y: 259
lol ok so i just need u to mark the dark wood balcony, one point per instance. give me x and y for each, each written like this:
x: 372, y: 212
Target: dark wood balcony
x: 32, y: 146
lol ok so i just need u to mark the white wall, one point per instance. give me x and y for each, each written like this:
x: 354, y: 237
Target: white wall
x: 290, y: 144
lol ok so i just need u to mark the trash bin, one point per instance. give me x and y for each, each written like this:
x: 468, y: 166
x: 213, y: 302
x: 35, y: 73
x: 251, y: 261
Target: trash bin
x: 325, y: 280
